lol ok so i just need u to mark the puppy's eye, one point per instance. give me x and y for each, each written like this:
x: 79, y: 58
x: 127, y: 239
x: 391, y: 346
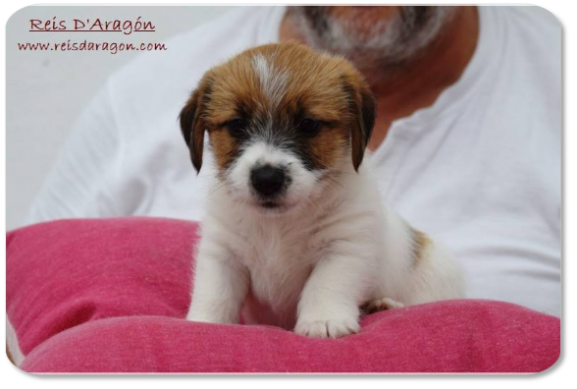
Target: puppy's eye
x: 236, y: 126
x: 310, y: 126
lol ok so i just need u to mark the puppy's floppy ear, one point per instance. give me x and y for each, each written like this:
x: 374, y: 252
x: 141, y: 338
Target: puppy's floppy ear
x: 362, y: 111
x: 191, y: 121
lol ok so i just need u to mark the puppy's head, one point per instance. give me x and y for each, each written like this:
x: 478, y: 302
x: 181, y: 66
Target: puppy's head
x: 283, y: 120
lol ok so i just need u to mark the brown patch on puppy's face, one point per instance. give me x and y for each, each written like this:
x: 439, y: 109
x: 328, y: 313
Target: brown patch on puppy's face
x: 225, y: 147
x: 281, y: 118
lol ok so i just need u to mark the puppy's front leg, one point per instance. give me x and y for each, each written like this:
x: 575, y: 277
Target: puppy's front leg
x: 329, y: 304
x: 220, y: 287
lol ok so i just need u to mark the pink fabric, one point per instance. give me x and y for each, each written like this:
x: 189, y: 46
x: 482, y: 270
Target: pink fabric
x: 110, y: 295
x: 65, y: 273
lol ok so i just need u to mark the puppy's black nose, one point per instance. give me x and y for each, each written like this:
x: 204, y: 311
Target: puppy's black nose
x: 267, y: 180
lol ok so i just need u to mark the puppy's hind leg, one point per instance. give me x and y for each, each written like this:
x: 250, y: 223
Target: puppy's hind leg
x: 435, y: 275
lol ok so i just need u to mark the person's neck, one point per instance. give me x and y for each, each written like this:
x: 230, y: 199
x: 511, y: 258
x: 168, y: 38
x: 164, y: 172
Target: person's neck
x: 418, y: 84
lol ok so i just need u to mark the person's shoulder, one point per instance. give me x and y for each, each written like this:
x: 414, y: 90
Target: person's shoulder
x: 534, y: 21
x: 531, y: 37
x: 532, y: 46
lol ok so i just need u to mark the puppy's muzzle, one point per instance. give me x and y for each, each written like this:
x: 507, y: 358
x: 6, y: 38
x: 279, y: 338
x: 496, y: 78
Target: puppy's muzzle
x: 268, y: 181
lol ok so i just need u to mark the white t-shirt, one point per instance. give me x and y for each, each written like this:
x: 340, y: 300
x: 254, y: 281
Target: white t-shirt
x: 479, y: 170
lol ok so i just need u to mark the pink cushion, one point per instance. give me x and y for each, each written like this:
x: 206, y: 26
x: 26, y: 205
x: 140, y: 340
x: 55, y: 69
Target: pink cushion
x: 110, y: 295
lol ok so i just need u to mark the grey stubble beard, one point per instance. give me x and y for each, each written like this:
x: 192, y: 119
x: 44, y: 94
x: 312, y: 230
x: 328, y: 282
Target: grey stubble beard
x: 381, y: 50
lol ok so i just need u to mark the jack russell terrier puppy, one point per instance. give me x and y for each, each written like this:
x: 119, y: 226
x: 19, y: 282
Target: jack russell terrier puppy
x: 295, y: 234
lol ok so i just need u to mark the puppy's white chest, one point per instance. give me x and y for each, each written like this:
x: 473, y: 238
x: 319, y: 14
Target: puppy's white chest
x: 279, y: 262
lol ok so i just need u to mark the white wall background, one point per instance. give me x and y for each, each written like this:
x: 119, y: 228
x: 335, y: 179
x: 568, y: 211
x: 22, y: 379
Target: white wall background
x: 46, y: 91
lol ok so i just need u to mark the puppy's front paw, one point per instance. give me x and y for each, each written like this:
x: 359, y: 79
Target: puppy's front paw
x: 328, y: 328
x: 205, y: 317
x: 199, y: 318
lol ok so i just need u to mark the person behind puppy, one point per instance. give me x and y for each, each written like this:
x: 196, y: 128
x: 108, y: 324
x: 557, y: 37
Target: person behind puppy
x: 466, y: 146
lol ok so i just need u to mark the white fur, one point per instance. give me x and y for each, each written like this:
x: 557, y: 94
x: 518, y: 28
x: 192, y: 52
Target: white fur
x: 259, y: 152
x: 272, y: 81
x: 311, y: 267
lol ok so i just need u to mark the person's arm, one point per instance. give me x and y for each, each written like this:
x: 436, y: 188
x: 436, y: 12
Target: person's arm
x: 85, y: 173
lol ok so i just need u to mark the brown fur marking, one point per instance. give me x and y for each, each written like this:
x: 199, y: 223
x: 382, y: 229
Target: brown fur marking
x: 225, y: 147
x: 421, y: 242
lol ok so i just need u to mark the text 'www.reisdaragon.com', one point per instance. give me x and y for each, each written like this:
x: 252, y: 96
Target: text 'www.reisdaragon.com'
x: 109, y: 47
